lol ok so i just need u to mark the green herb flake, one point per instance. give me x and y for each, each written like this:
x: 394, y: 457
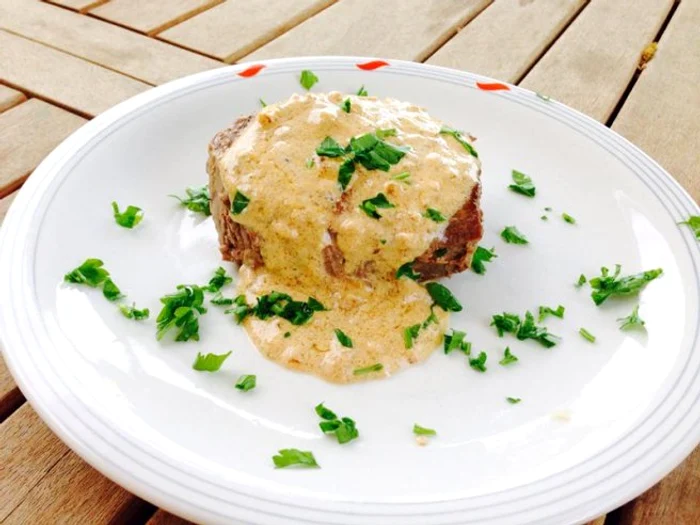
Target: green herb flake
x: 241, y: 310
x: 568, y: 218
x: 404, y: 177
x: 455, y: 341
x: 508, y: 358
x: 506, y: 323
x: 330, y: 148
x: 196, y: 200
x: 410, y: 334
x: 209, y: 362
x: 287, y: 334
x: 384, y: 133
x: 239, y: 203
x: 457, y: 135
x: 547, y: 208
x: 546, y: 310
x: 344, y: 428
x: 522, y: 184
x: 481, y: 256
x: 479, y: 363
x: 262, y: 103
x: 423, y: 431
x: 382, y: 241
x: 277, y: 304
x: 693, y: 223
x: 220, y: 300
x: 181, y: 310
x: 345, y: 173
x: 632, y: 320
x: 90, y: 273
x: 307, y: 79
x: 246, y: 382
x: 362, y: 92
x: 434, y: 215
x: 111, y: 291
x: 529, y: 330
x: 513, y: 400
x: 608, y: 285
x: 581, y: 281
x: 406, y: 270
x: 511, y: 235
x: 218, y: 281
x: 369, y: 206
x: 587, y: 335
x: 544, y: 218
x: 288, y: 457
x: 131, y: 312
x: 443, y: 297
x: 377, y: 367
x: 346, y: 105
x: 343, y: 339
x: 310, y: 163
x: 129, y: 217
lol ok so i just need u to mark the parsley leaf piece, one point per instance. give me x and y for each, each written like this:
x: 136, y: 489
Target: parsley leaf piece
x: 241, y: 310
x: 278, y: 304
x: 345, y: 172
x: 544, y: 218
x: 406, y: 270
x: 479, y: 363
x: 239, y: 203
x: 369, y: 206
x: 511, y: 235
x: 434, y: 215
x: 287, y: 334
x: 91, y: 273
x: 548, y: 208
x: 288, y: 457
x: 506, y: 322
x: 220, y: 300
x: 587, y: 335
x: 529, y: 330
x: 129, y: 218
x: 362, y: 92
x: 325, y: 413
x: 377, y: 367
x: 181, y: 310
x: 513, y: 400
x: 546, y: 310
x: 310, y: 163
x: 111, y: 291
x: 344, y: 428
x: 443, y: 297
x: 131, y: 312
x: 404, y: 176
x: 343, y: 339
x: 581, y: 281
x: 410, y: 334
x: 219, y: 280
x: 568, y: 218
x: 246, y: 382
x: 197, y: 200
x: 432, y: 318
x: 307, y: 79
x: 481, y: 256
x: 455, y: 341
x: 262, y: 103
x: 523, y: 184
x: 384, y: 133
x: 423, y: 431
x: 694, y: 223
x: 632, y: 320
x: 346, y: 105
x: 610, y: 285
x: 330, y: 148
x: 459, y: 138
x: 508, y: 357
x: 209, y: 362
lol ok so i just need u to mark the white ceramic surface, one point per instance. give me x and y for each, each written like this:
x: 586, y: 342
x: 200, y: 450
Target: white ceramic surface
x: 598, y: 424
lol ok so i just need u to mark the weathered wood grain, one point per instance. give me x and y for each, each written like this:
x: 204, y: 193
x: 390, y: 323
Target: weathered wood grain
x: 151, y: 17
x: 10, y: 97
x: 28, y: 133
x: 507, y: 38
x: 62, y: 78
x: 662, y: 113
x: 29, y: 451
x: 370, y: 28
x: 79, y: 5
x: 591, y: 64
x: 165, y: 518
x: 236, y: 27
x: 105, y: 44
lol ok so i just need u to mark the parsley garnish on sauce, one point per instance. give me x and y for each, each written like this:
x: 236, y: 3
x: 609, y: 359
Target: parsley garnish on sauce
x: 406, y: 270
x: 181, y: 310
x: 443, y: 297
x: 522, y: 184
x: 693, y: 223
x: 587, y: 335
x: 343, y: 339
x: 219, y: 280
x: 369, y: 206
x: 610, y: 285
x: 410, y: 334
x: 246, y: 382
x: 481, y: 256
x: 288, y: 457
x: 513, y: 400
x: 346, y: 105
x: 568, y: 218
x: 632, y: 320
x: 459, y: 138
x: 479, y: 363
x: 377, y: 367
x: 241, y: 310
x: 384, y: 133
x: 455, y: 341
x: 277, y: 304
x: 330, y: 148
x: 404, y: 177
x: 220, y: 300
x: 423, y: 431
x: 131, y: 312
x: 129, y: 218
x: 362, y: 92
x: 434, y: 215
x: 508, y: 358
x: 511, y: 235
x: 307, y: 79
x: 111, y: 291
x: 343, y: 428
x: 197, y: 199
x: 239, y: 203
x: 546, y: 310
x: 209, y: 362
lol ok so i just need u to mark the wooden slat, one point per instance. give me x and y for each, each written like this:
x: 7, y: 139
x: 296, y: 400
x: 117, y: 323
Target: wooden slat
x: 591, y: 64
x: 152, y: 17
x: 507, y: 38
x: 79, y: 5
x: 236, y: 27
x: 29, y: 450
x: 62, y: 78
x: 28, y: 133
x: 410, y: 29
x: 598, y: 521
x: 662, y: 113
x: 165, y: 518
x: 105, y: 44
x: 10, y: 97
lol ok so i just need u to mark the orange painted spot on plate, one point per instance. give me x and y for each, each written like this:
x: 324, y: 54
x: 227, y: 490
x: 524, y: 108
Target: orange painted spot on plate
x: 374, y: 64
x: 492, y: 86
x: 251, y: 71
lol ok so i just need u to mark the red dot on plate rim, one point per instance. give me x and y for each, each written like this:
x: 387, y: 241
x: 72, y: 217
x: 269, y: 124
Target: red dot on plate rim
x: 251, y: 71
x: 372, y: 65
x: 492, y: 86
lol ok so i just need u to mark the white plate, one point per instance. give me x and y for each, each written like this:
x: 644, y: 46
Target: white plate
x: 598, y: 424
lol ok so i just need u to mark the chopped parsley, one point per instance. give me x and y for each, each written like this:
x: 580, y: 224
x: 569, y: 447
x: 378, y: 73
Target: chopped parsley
x: 581, y: 280
x: 197, y: 199
x: 693, y: 223
x: 288, y: 457
x: 508, y: 358
x: 369, y: 206
x: 277, y: 304
x: 459, y: 138
x: 410, y: 334
x: 262, y: 103
x: 546, y: 310
x: 362, y: 92
x: 241, y: 310
x: 455, y: 341
x: 404, y: 176
x: 506, y: 322
x: 287, y: 334
x: 423, y: 431
x: 548, y: 208
x: 307, y: 79
x: 406, y: 270
x: 346, y: 105
x: 310, y: 163
x: 513, y: 400
x: 129, y: 217
x: 568, y: 218
x: 220, y: 300
x: 481, y: 256
x: 587, y: 335
x: 345, y: 173
x: 131, y: 312
x: 239, y: 203
x: 246, y: 382
x: 632, y: 320
x: 434, y: 215
x: 90, y: 273
x: 523, y: 329
x: 511, y: 235
x: 111, y: 291
x: 443, y: 297
x: 217, y: 282
x: 522, y: 184
x: 544, y: 218
x: 330, y: 148
x: 377, y: 367
x: 343, y: 428
x: 343, y: 339
x: 181, y: 310
x: 610, y: 285
x: 479, y: 363
x: 384, y: 133
x: 209, y: 362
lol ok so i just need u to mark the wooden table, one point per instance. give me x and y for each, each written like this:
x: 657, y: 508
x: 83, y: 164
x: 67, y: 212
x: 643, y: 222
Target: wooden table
x: 64, y: 62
